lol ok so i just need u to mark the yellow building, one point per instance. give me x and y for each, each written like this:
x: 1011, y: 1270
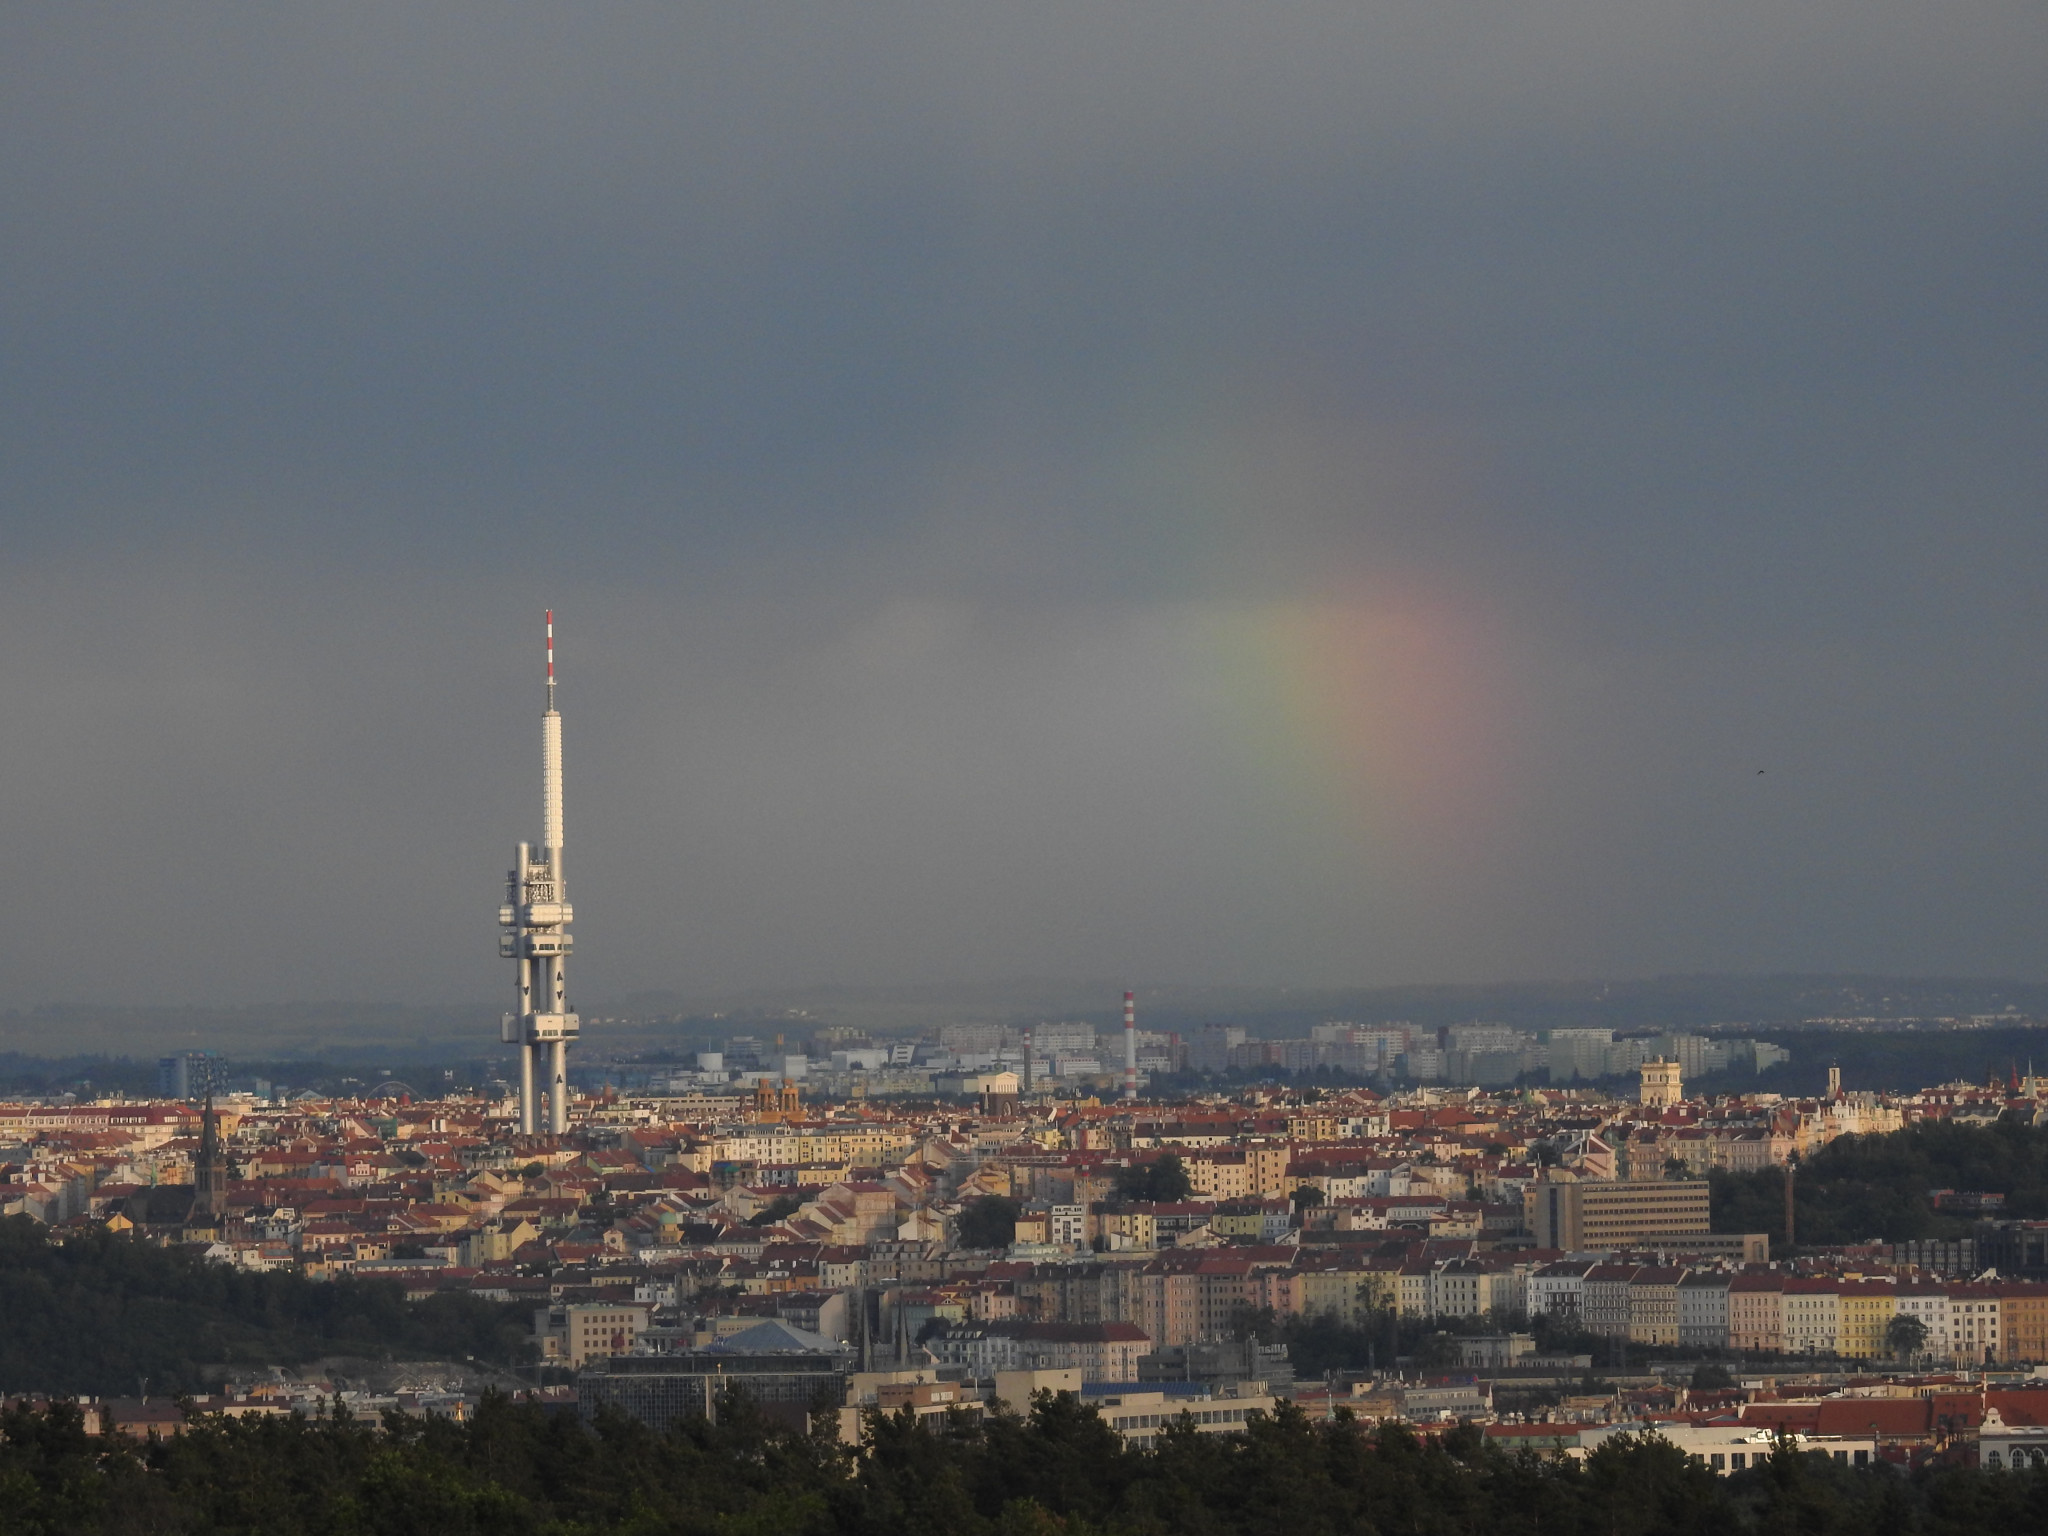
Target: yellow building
x: 1865, y: 1308
x: 1219, y: 1175
x: 2024, y: 1309
x: 1661, y: 1087
x: 1267, y: 1163
x: 1128, y: 1227
x: 1238, y: 1221
x: 1349, y: 1295
x: 1379, y: 1286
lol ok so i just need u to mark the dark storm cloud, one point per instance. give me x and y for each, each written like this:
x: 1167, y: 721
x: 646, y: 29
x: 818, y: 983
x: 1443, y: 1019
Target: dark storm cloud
x: 938, y: 431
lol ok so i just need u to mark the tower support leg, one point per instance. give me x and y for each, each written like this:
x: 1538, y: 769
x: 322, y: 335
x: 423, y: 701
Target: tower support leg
x: 526, y: 1105
x: 558, y: 1087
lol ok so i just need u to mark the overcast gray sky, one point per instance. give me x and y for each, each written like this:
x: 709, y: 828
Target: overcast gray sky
x: 1324, y: 493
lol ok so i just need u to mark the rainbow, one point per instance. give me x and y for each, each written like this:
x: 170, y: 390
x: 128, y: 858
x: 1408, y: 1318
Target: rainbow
x: 1369, y: 693
x: 1381, y: 712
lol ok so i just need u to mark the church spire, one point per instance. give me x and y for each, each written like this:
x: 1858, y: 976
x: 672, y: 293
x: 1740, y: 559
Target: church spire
x: 210, y: 1171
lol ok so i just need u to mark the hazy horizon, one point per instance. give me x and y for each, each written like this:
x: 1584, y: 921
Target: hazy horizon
x: 665, y: 1022
x: 1352, y: 495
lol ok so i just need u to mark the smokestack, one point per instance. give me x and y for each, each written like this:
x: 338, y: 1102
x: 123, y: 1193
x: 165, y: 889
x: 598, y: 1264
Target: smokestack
x: 1130, y: 1046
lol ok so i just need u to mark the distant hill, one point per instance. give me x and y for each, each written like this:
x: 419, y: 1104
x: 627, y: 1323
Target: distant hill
x: 96, y: 1312
x: 394, y: 1034
x: 1864, y: 1187
x: 1652, y: 1003
x: 270, y: 1031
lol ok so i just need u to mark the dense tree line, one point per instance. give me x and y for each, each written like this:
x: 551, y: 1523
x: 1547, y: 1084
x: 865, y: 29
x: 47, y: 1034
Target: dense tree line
x: 514, y: 1469
x: 97, y: 1313
x: 1862, y: 1187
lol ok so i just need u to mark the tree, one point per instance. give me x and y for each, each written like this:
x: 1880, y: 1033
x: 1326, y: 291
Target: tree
x: 1054, y: 1465
x: 1438, y: 1352
x: 1306, y: 1198
x: 988, y: 1222
x: 1905, y: 1335
x: 1170, y: 1181
x: 1710, y: 1377
x: 775, y: 1210
x: 1163, y: 1179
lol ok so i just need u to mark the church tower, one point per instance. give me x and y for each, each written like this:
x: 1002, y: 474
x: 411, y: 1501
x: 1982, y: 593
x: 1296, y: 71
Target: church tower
x: 210, y: 1172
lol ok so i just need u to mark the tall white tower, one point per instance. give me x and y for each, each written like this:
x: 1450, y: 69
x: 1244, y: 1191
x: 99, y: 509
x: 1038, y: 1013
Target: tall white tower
x: 536, y: 916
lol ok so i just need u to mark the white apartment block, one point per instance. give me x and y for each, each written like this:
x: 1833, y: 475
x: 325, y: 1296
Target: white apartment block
x: 1703, y: 1310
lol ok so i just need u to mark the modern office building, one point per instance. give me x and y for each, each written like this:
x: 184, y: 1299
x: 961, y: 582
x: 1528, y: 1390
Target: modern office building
x: 1589, y: 1215
x: 191, y: 1075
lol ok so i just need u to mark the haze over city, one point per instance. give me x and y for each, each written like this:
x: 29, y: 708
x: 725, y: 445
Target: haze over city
x: 1348, y: 496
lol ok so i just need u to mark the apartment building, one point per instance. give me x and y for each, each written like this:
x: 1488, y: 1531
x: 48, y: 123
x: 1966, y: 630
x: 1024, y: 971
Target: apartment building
x: 1653, y: 1305
x: 1413, y: 1287
x: 1329, y: 1287
x: 1592, y: 1214
x: 1606, y: 1304
x: 2024, y: 1335
x: 1973, y: 1319
x: 1703, y: 1310
x: 1812, y: 1316
x: 1865, y: 1313
x: 1929, y: 1303
x: 1099, y: 1351
x: 1458, y: 1289
x: 1219, y: 1173
x: 1756, y: 1313
x: 1559, y: 1289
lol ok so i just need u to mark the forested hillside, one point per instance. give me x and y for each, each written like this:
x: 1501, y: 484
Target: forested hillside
x: 98, y: 1312
x: 1864, y: 1187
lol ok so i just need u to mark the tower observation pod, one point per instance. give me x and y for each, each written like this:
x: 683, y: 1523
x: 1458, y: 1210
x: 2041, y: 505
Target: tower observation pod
x: 536, y: 918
